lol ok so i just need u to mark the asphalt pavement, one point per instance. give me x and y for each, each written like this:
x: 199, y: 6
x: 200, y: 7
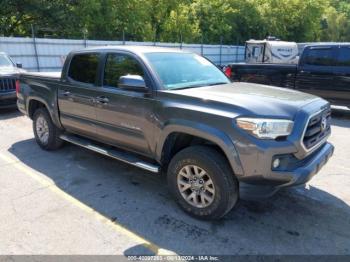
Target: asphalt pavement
x: 73, y: 201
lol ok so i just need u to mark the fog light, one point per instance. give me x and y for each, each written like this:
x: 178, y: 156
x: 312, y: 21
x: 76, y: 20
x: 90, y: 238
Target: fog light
x: 276, y: 163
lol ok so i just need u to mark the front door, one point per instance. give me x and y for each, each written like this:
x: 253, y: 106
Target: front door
x: 315, y: 73
x: 76, y: 95
x: 341, y: 88
x: 124, y: 117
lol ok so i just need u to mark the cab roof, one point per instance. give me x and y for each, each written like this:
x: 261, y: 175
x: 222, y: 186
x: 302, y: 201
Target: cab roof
x: 326, y: 44
x: 133, y: 49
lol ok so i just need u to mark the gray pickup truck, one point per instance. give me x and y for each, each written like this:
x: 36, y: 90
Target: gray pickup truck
x: 174, y: 112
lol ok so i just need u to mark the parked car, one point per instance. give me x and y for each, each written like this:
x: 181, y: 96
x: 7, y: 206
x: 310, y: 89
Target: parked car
x: 323, y: 70
x: 174, y: 112
x: 9, y: 72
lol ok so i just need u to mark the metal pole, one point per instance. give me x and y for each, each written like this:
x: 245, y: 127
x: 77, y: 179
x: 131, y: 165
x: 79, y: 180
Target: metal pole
x: 220, y: 48
x: 84, y: 35
x: 202, y: 45
x: 180, y: 41
x: 236, y: 53
x: 123, y: 37
x: 35, y: 49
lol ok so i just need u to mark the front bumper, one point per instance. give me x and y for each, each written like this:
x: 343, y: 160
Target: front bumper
x: 270, y: 183
x: 8, y: 99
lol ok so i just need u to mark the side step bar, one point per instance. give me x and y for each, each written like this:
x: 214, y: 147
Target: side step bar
x: 113, y: 153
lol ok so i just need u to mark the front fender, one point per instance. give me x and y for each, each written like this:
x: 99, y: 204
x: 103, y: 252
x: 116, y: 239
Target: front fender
x: 203, y: 131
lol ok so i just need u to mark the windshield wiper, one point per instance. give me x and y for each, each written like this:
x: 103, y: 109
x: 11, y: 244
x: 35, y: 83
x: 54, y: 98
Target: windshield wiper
x: 186, y: 87
x: 216, y: 84
x: 200, y: 85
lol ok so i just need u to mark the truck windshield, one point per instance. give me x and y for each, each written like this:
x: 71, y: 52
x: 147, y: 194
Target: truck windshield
x: 5, y: 61
x: 185, y: 70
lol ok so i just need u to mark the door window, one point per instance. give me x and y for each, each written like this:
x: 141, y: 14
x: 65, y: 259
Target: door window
x: 83, y: 68
x: 344, y: 56
x: 118, y: 65
x: 256, y: 51
x: 320, y: 57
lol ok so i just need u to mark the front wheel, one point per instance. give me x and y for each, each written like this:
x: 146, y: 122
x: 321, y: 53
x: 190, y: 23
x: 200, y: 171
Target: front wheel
x: 202, y: 182
x: 45, y: 132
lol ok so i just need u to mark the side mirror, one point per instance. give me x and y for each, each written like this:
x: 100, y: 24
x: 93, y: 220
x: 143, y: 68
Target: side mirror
x: 19, y: 65
x: 132, y: 82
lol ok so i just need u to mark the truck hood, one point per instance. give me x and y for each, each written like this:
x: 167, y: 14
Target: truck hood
x: 9, y: 70
x: 249, y: 99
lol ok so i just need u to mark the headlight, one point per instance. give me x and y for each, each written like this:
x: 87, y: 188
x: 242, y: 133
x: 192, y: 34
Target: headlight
x: 265, y: 128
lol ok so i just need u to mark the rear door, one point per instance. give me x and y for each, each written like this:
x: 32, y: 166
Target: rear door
x: 341, y: 87
x: 316, y: 71
x: 125, y: 117
x: 77, y: 94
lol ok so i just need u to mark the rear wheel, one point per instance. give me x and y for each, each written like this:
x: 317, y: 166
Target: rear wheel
x: 202, y: 182
x: 46, y: 133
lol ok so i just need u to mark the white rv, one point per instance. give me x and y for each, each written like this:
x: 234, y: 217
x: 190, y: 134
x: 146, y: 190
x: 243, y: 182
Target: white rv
x: 271, y: 51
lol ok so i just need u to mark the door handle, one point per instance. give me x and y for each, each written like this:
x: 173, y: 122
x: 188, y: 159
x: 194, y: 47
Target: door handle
x: 102, y: 100
x: 66, y: 93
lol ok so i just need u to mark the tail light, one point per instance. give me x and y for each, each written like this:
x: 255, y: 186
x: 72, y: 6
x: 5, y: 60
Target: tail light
x: 18, y: 87
x: 228, y: 71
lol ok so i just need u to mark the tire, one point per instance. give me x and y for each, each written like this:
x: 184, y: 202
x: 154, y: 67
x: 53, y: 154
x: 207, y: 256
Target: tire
x: 52, y: 141
x: 223, y: 191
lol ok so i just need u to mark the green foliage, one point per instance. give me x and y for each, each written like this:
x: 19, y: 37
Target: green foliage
x: 208, y: 21
x: 16, y: 16
x: 336, y: 22
x: 294, y: 20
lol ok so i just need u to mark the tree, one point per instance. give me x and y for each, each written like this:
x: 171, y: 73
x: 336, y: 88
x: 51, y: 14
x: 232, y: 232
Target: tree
x: 49, y: 17
x: 212, y: 18
x: 293, y: 20
x: 336, y: 26
x: 246, y: 22
x: 113, y: 19
x: 158, y: 12
x: 336, y: 22
x: 181, y: 25
x: 232, y: 21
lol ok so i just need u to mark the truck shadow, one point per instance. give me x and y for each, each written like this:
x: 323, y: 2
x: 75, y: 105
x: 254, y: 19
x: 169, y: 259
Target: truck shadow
x: 341, y: 117
x: 296, y: 221
x: 9, y: 113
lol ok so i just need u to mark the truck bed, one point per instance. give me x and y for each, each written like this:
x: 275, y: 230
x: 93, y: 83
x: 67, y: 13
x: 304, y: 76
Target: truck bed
x: 45, y: 75
x: 42, y: 87
x: 264, y: 65
x: 282, y: 75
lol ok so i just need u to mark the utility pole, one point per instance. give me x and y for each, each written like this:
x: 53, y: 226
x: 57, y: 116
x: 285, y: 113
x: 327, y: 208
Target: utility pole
x: 35, y: 49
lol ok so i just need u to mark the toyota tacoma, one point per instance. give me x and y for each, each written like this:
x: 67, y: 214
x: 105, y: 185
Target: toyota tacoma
x: 174, y: 112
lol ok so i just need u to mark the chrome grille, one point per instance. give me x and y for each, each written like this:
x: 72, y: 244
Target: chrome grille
x: 7, y: 84
x: 318, y: 128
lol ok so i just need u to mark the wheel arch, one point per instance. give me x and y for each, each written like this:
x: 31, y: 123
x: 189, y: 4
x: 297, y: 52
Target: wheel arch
x: 33, y: 103
x: 177, y: 136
